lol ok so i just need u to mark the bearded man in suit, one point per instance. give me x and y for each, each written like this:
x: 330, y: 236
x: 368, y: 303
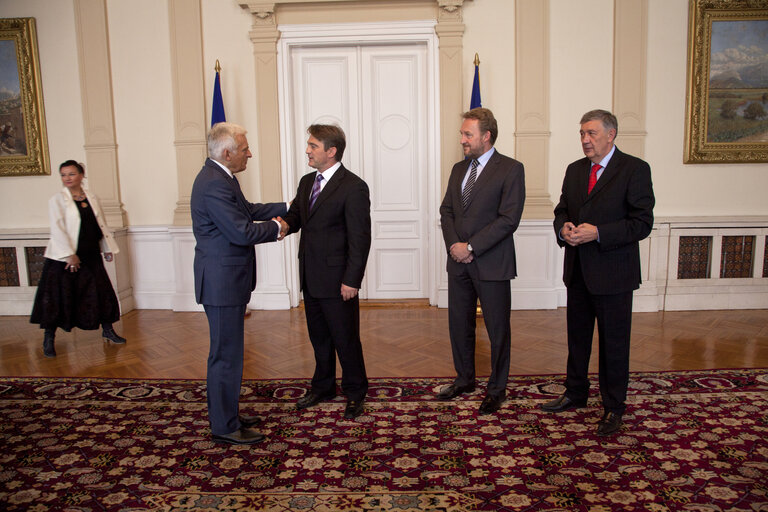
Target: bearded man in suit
x: 225, y: 272
x: 332, y: 208
x: 479, y: 214
x: 605, y: 209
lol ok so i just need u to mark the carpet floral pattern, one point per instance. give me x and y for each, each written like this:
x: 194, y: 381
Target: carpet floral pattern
x: 692, y: 440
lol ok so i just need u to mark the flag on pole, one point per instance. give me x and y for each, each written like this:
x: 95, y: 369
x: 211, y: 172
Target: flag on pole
x: 217, y: 112
x: 475, y: 100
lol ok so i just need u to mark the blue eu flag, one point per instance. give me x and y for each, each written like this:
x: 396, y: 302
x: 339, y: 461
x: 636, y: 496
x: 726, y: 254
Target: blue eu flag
x: 217, y: 112
x: 475, y: 100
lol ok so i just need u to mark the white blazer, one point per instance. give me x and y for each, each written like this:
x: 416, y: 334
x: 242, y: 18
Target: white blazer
x: 65, y: 226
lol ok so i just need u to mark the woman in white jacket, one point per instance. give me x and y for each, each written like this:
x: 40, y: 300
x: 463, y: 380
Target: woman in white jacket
x: 74, y: 288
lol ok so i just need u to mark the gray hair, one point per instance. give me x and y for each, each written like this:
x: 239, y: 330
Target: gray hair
x: 609, y: 120
x: 221, y: 137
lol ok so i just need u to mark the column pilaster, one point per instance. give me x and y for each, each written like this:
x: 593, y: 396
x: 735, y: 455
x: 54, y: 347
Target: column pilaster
x: 189, y: 120
x: 532, y: 104
x: 98, y: 107
x: 264, y: 36
x: 630, y: 35
x: 450, y: 34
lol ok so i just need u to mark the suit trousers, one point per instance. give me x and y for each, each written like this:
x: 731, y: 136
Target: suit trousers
x: 225, y: 366
x: 333, y: 325
x: 495, y: 301
x: 614, y: 325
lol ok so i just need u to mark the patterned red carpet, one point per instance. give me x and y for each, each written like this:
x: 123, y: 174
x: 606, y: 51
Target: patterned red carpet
x: 691, y: 441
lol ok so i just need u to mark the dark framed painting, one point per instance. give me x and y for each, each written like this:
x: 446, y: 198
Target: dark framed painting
x: 23, y: 137
x: 727, y: 104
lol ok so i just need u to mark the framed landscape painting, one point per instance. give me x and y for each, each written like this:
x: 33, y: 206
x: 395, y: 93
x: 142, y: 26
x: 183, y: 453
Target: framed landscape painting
x: 727, y: 107
x: 23, y: 138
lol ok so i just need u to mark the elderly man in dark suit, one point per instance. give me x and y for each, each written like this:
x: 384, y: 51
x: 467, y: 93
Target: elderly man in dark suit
x: 225, y: 272
x: 605, y: 209
x: 332, y: 210
x: 481, y: 210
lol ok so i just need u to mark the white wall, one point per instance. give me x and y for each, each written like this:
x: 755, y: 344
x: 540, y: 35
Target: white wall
x: 581, y: 70
x: 143, y: 106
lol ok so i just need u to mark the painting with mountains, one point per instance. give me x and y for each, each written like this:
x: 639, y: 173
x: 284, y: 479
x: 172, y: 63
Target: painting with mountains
x: 738, y: 82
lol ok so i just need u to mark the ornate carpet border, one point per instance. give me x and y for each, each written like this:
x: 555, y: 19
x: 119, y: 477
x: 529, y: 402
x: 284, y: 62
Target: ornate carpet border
x: 276, y: 391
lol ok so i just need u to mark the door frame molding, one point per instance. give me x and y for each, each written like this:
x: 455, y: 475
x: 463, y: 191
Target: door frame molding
x: 362, y: 34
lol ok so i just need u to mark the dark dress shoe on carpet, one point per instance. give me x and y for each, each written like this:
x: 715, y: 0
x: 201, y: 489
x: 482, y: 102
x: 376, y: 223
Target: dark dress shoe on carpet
x: 249, y: 421
x: 354, y: 409
x: 491, y: 404
x: 111, y: 335
x: 452, y: 391
x: 608, y: 424
x: 562, y: 403
x: 311, y: 399
x: 242, y: 436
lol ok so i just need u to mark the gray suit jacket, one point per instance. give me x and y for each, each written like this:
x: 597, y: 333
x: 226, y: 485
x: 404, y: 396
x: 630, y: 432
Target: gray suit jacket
x: 490, y: 219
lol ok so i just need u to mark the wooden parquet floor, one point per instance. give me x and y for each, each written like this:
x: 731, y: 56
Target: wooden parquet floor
x: 404, y: 340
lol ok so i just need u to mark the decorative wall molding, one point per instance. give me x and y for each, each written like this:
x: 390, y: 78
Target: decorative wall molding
x: 189, y: 120
x: 532, y: 104
x: 630, y: 34
x: 98, y: 107
x: 154, y: 269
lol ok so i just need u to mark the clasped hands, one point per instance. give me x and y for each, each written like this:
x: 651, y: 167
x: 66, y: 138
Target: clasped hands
x: 460, y: 253
x: 284, y: 227
x: 577, y: 235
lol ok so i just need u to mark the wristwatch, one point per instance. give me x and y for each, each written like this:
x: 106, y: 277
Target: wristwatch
x: 469, y: 247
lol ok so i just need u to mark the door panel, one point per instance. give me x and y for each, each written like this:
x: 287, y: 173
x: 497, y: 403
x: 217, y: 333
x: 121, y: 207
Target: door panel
x: 377, y: 95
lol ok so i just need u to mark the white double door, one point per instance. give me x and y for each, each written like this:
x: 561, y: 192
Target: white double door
x: 378, y: 96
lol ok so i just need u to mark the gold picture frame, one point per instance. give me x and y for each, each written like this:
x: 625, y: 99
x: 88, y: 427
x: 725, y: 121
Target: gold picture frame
x: 727, y: 103
x: 23, y: 137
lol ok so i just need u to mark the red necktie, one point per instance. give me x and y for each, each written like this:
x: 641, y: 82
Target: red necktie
x: 593, y: 177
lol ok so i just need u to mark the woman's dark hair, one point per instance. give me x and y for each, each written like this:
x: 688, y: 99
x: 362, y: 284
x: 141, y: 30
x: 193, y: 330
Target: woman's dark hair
x: 72, y: 163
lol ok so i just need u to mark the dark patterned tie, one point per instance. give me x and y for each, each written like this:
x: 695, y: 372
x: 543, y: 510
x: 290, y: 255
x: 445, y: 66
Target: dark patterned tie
x: 470, y: 183
x: 593, y: 177
x: 315, y: 190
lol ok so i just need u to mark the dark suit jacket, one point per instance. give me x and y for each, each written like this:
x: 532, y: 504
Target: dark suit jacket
x: 492, y: 215
x: 621, y: 206
x: 335, y: 235
x: 222, y: 221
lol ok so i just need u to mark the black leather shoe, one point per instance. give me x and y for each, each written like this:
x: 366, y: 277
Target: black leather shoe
x: 311, y: 399
x: 242, y: 436
x: 354, y: 409
x: 111, y: 335
x: 491, y: 404
x: 48, y: 350
x: 562, y: 403
x: 249, y: 421
x: 452, y: 391
x: 608, y: 424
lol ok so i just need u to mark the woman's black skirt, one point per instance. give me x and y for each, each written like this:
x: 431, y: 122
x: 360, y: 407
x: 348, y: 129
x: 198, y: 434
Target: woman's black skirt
x: 83, y: 299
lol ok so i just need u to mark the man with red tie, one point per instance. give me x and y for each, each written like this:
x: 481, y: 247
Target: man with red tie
x: 605, y: 209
